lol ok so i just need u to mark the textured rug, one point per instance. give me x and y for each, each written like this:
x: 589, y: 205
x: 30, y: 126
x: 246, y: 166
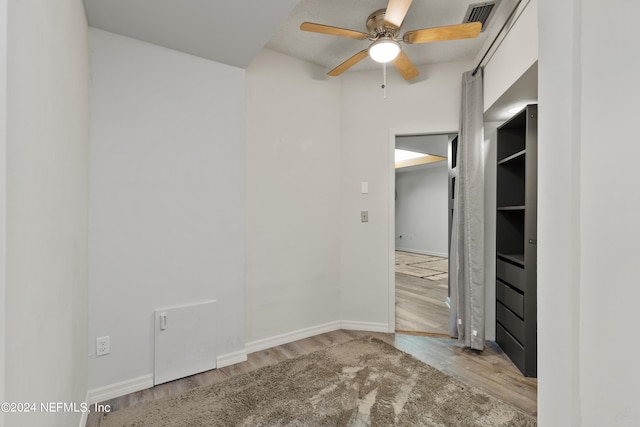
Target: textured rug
x: 364, y: 382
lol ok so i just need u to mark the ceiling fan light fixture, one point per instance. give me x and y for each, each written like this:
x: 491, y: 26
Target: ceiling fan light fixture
x: 384, y: 50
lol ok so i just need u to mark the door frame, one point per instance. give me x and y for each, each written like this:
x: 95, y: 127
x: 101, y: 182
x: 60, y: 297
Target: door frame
x: 391, y: 227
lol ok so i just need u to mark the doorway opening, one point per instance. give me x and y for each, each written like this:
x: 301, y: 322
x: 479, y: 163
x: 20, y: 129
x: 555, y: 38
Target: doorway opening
x: 422, y: 224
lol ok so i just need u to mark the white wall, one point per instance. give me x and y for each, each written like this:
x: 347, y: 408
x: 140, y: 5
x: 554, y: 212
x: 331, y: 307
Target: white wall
x: 421, y: 205
x: 515, y: 54
x: 490, y: 159
x: 559, y: 186
x: 167, y: 198
x: 370, y: 123
x: 609, y: 212
x: 588, y: 209
x: 46, y: 200
x: 293, y: 187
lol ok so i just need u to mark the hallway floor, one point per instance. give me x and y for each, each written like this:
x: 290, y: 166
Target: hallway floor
x: 421, y: 293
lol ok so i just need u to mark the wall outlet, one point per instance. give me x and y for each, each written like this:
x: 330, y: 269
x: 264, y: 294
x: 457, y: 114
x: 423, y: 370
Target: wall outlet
x: 103, y: 346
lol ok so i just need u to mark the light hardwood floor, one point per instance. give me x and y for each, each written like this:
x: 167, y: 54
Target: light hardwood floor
x: 421, y: 293
x: 490, y: 370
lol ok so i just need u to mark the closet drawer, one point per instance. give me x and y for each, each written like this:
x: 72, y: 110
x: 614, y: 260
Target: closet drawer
x: 510, y: 346
x: 510, y: 321
x: 511, y: 274
x: 511, y: 298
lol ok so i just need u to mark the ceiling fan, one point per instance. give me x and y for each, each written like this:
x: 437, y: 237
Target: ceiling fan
x: 383, y: 28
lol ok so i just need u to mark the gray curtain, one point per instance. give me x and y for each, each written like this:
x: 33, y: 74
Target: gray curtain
x: 467, y: 233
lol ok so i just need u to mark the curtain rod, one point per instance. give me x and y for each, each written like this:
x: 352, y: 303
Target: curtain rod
x: 496, y: 38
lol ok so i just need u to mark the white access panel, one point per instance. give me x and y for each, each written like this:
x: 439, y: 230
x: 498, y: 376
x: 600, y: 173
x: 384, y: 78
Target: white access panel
x: 185, y: 341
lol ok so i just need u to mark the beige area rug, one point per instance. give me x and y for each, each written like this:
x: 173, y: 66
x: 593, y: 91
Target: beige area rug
x: 364, y: 382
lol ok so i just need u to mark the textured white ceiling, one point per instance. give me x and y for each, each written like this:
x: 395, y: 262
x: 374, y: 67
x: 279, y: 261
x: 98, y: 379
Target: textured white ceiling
x: 230, y: 32
x: 233, y: 32
x: 329, y: 51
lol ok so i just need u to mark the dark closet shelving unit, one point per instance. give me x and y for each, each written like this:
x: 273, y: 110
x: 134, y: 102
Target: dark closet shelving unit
x: 516, y: 239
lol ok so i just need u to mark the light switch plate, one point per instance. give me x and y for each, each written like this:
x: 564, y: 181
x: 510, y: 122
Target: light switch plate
x: 364, y: 187
x: 364, y: 216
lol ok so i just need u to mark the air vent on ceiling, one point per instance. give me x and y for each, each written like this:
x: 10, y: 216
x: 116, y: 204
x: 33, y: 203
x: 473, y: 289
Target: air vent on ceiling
x: 481, y: 12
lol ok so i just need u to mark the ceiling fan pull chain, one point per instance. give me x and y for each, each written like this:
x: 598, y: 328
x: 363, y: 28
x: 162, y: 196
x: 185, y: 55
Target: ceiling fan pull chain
x: 384, y: 80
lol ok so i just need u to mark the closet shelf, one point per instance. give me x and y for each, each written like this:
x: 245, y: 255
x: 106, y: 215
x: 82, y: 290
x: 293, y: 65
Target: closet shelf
x: 519, y: 156
x: 515, y: 258
x: 516, y: 208
x: 511, y: 208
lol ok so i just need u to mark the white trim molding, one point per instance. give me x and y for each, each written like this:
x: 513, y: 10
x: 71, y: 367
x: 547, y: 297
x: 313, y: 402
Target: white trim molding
x: 353, y: 325
x: 391, y: 226
x: 111, y: 391
x: 265, y: 343
x: 122, y: 388
x: 231, y: 358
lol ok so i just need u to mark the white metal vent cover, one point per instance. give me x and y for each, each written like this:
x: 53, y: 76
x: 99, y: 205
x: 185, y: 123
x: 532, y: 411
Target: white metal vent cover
x: 481, y: 12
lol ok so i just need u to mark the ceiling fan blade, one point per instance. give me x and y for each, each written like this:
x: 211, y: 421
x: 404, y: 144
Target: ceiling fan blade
x: 349, y: 63
x: 334, y: 31
x: 405, y: 66
x: 448, y: 32
x: 396, y: 11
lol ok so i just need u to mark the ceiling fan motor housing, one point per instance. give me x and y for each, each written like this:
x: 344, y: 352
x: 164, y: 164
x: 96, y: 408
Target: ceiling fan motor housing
x: 377, y: 27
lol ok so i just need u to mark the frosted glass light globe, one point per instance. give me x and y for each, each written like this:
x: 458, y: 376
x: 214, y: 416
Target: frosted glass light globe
x: 384, y: 50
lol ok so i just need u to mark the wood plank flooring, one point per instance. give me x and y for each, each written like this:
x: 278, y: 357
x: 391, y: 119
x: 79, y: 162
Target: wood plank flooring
x: 421, y: 293
x: 490, y: 370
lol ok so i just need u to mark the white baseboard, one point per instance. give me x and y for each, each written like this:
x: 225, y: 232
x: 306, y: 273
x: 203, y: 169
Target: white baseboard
x: 111, y: 391
x: 364, y: 326
x: 122, y: 388
x: 136, y: 384
x: 231, y: 358
x: 265, y: 343
x: 419, y: 251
